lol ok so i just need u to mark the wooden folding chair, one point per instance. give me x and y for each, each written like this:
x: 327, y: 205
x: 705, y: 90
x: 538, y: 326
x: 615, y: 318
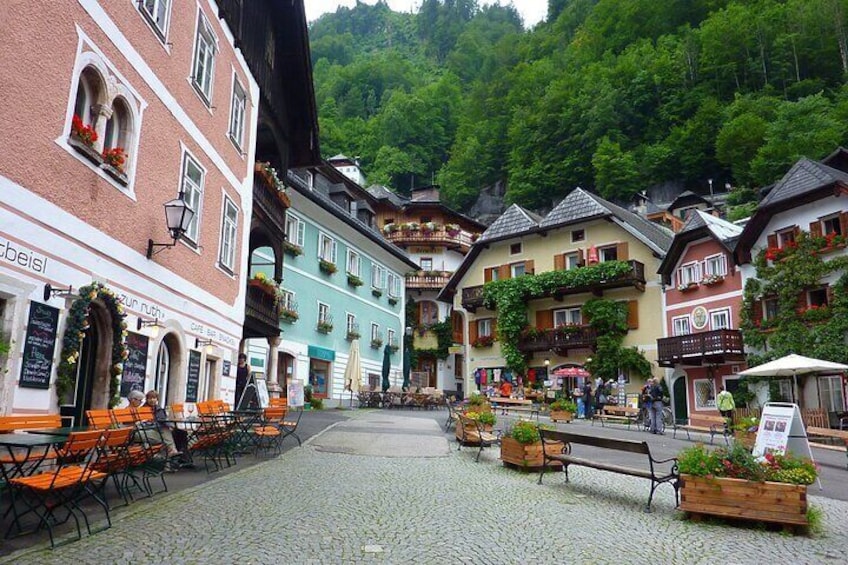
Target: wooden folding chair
x: 98, y: 419
x: 290, y: 424
x: 268, y: 433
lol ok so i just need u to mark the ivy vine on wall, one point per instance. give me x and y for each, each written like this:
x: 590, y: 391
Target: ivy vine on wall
x: 75, y: 328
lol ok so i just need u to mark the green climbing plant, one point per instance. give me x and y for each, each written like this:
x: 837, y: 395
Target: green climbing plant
x: 785, y: 274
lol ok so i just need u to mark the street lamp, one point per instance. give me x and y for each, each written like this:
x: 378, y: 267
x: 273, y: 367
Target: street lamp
x: 178, y: 217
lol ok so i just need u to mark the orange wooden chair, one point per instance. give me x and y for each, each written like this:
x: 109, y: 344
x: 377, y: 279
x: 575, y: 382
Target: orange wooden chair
x: 98, y: 419
x: 24, y: 462
x: 269, y: 434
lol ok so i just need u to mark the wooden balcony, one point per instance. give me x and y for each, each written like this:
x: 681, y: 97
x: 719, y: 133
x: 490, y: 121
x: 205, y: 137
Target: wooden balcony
x: 429, y: 281
x: 472, y: 298
x: 715, y: 347
x: 559, y: 340
x: 261, y: 314
x: 460, y: 241
x: 635, y: 277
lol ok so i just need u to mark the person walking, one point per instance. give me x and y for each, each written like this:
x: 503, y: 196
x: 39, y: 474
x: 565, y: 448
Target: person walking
x: 656, y: 411
x: 587, y: 399
x: 726, y: 405
x: 242, y: 376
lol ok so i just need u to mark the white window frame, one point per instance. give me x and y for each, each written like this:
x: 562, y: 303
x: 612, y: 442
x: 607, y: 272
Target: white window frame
x: 287, y: 299
x: 375, y: 331
x: 326, y: 248
x: 572, y: 257
x: 238, y: 113
x: 717, y: 314
x: 378, y: 276
x: 390, y: 337
x: 677, y: 325
x: 567, y: 317
x: 205, y: 41
x: 229, y: 234
x: 514, y: 267
x: 293, y: 223
x: 689, y: 273
x: 350, y: 323
x: 323, y: 312
x: 191, y: 190
x: 150, y: 17
x: 484, y: 327
x: 394, y: 285
x: 715, y: 265
x: 354, y: 263
x: 710, y: 403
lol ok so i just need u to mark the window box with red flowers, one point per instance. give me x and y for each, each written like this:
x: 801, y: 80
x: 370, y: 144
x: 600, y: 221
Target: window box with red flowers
x: 82, y: 140
x: 829, y: 243
x: 483, y: 341
x: 815, y: 313
x: 114, y: 160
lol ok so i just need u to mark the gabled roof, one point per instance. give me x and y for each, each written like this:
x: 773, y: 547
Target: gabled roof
x: 513, y: 221
x: 577, y: 206
x: 685, y: 198
x: 699, y: 225
x: 807, y: 181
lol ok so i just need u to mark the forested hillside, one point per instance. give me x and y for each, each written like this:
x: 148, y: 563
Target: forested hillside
x: 610, y: 95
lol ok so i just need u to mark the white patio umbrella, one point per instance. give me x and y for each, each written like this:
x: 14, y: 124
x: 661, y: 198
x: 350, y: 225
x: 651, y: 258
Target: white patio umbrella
x: 353, y: 371
x: 792, y: 366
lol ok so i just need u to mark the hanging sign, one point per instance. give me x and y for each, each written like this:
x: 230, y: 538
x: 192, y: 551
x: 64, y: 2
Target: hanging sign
x: 39, y: 345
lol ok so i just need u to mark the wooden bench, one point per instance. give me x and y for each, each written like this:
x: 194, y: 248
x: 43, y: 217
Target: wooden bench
x: 659, y: 471
x: 471, y: 432
x: 531, y: 410
x: 621, y: 414
x: 707, y: 423
x: 829, y: 433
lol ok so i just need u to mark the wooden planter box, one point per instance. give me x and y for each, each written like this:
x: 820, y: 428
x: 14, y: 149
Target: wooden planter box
x: 471, y: 433
x: 778, y: 503
x: 527, y: 456
x: 479, y: 408
x: 561, y: 416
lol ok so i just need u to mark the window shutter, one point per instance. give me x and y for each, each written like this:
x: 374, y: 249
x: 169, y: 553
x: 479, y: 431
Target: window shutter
x: 581, y: 260
x: 621, y: 251
x: 772, y: 240
x: 529, y: 266
x: 487, y: 275
x: 632, y: 314
x: 816, y: 229
x: 796, y: 231
x: 843, y: 223
x: 472, y: 331
x: 757, y: 314
x: 544, y: 319
x: 829, y: 290
x: 559, y: 262
x: 503, y: 272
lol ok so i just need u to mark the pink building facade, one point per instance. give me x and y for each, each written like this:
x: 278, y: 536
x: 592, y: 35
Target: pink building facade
x: 119, y: 107
x: 703, y: 347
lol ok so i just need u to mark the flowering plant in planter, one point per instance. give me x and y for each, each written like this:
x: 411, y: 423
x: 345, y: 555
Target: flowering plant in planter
x: 485, y: 418
x: 326, y: 266
x: 376, y: 343
x: 324, y: 327
x: 428, y: 227
x: 390, y: 228
x: 711, y: 280
x: 815, y: 312
x: 84, y: 133
x: 353, y: 280
x: 352, y: 335
x: 738, y: 463
x: 409, y: 226
x: 563, y: 405
x: 452, y: 229
x: 683, y: 287
x: 268, y: 285
x: 483, y: 341
x: 292, y: 249
x: 289, y: 315
x: 115, y: 157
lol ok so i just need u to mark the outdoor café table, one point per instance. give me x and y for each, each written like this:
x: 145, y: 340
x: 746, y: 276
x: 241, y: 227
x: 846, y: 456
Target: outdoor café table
x: 19, y: 447
x: 244, y: 420
x: 59, y: 431
x: 503, y: 401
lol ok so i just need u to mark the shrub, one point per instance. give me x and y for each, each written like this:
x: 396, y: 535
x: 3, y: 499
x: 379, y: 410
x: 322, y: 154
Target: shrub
x: 524, y: 432
x: 477, y: 399
x: 564, y: 405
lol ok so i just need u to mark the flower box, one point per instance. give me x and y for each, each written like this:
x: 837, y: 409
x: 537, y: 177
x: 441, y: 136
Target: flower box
x: 353, y: 280
x: 376, y: 343
x: 326, y: 267
x: 393, y: 301
x: 264, y: 286
x: 527, y: 456
x: 778, y: 503
x: 292, y: 249
x: 687, y: 287
x: 85, y: 150
x: 748, y: 439
x: 712, y: 280
x: 115, y: 173
x: 377, y: 292
x: 352, y: 336
x: 561, y: 416
x: 483, y: 341
x: 324, y: 327
x: 289, y: 316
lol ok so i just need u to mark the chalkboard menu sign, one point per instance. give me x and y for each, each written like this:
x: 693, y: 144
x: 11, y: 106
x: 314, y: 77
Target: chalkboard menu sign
x: 227, y: 366
x: 193, y: 380
x: 39, y: 346
x: 135, y: 367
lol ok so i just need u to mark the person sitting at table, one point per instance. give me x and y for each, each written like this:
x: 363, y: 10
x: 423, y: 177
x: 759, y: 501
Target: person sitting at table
x: 506, y: 389
x: 160, y: 418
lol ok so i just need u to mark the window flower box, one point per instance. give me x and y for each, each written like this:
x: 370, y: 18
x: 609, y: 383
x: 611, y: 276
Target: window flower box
x: 686, y: 287
x: 712, y: 280
x: 326, y: 267
x: 393, y: 301
x: 289, y: 316
x: 376, y: 343
x: 324, y: 327
x: 119, y: 175
x: 85, y: 134
x: 394, y: 348
x: 353, y: 280
x: 377, y: 292
x: 483, y: 341
x: 352, y: 335
x: 267, y: 285
x: 85, y: 150
x: 292, y: 249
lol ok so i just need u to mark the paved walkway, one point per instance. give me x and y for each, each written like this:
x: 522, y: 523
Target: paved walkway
x: 412, y: 498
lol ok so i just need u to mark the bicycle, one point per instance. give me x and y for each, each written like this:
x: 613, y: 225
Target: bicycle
x: 645, y: 420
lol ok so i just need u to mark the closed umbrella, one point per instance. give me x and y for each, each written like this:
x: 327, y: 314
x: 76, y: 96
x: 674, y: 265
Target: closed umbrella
x: 353, y: 371
x: 387, y: 367
x: 407, y: 364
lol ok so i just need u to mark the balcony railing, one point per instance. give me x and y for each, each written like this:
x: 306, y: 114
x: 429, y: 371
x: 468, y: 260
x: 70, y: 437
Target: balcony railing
x: 261, y: 315
x: 635, y: 277
x: 472, y: 297
x: 559, y: 339
x: 718, y: 346
x: 461, y: 240
x: 431, y: 280
x: 269, y: 204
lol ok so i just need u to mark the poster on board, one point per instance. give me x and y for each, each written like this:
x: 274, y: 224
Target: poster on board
x: 262, y: 392
x: 781, y: 429
x: 295, y: 394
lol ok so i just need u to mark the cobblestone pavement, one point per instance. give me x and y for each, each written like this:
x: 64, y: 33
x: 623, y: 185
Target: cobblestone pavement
x: 312, y: 506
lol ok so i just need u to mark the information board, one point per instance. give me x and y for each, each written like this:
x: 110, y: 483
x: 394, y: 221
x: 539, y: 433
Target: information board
x: 193, y: 377
x: 295, y: 394
x: 39, y: 345
x: 781, y: 429
x: 262, y: 392
x: 135, y: 366
x: 227, y: 365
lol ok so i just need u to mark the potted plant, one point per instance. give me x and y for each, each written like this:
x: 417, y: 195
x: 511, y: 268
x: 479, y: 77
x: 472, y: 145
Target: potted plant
x: 745, y: 431
x: 521, y: 446
x: 563, y: 410
x: 686, y: 287
x: 289, y: 315
x: 262, y: 281
x: 292, y: 249
x: 486, y: 419
x: 390, y: 228
x: 452, y: 229
x: 732, y: 483
x: 83, y: 133
x: 712, y: 280
x: 324, y: 326
x: 353, y: 280
x: 478, y: 403
x: 352, y: 335
x: 326, y: 266
x: 483, y: 341
x: 376, y: 343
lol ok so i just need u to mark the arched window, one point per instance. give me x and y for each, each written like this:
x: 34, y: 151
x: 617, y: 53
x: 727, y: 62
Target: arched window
x: 118, y: 132
x: 89, y: 92
x: 163, y: 369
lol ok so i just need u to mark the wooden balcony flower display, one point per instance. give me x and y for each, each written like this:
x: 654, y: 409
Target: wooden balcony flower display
x: 263, y: 282
x: 452, y: 229
x: 732, y: 483
x: 429, y: 227
x: 326, y: 266
x: 269, y: 175
x: 521, y: 447
x: 483, y: 341
x: 409, y: 227
x: 563, y: 410
x: 390, y: 228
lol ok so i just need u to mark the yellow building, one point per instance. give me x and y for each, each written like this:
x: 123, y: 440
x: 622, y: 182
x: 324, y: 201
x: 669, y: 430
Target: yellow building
x: 582, y: 231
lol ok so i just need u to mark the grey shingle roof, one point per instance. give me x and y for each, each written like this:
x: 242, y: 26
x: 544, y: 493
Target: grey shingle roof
x: 805, y: 176
x: 513, y: 221
x: 578, y: 205
x: 380, y: 192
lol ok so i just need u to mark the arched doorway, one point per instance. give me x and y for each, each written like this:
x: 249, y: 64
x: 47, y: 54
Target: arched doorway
x: 285, y: 372
x: 166, y: 371
x: 681, y: 406
x: 91, y: 390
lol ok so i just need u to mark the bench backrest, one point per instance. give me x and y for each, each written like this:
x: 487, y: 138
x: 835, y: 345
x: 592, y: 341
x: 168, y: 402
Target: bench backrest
x: 29, y: 422
x: 143, y: 413
x: 708, y: 419
x: 123, y: 416
x: 827, y: 432
x: 278, y: 401
x: 98, y: 419
x: 604, y: 442
x: 621, y: 410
